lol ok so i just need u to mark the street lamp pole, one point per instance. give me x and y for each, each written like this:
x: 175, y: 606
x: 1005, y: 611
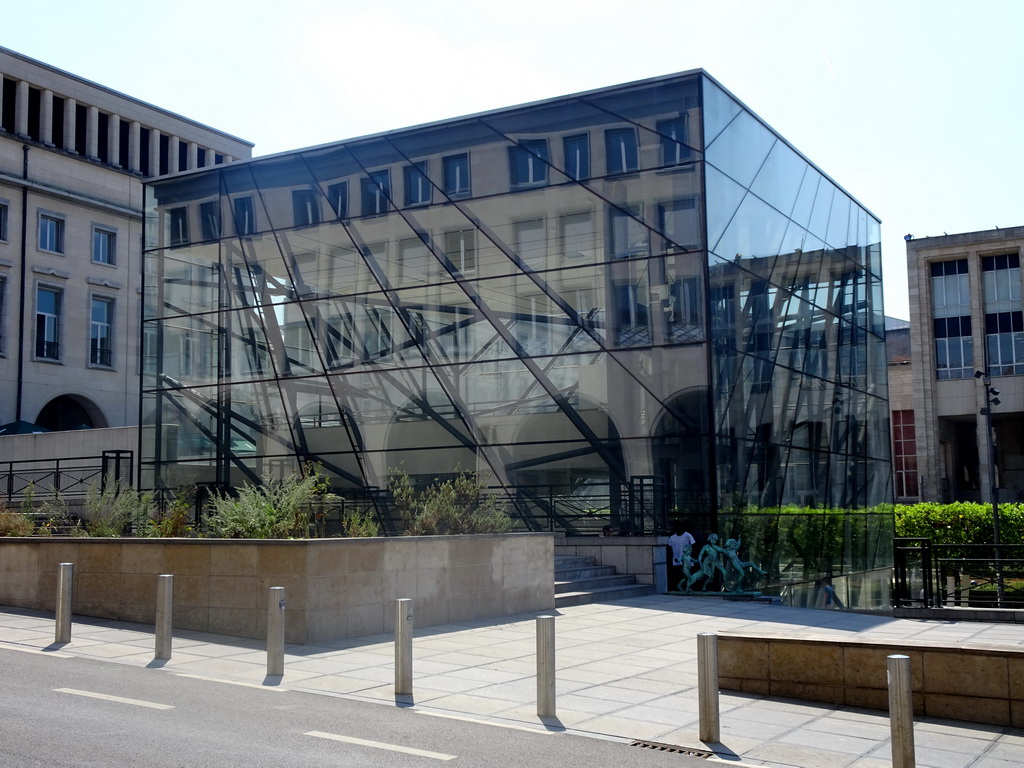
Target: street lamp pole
x: 991, y: 399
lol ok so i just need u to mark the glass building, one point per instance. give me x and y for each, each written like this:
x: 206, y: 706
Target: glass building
x: 624, y: 306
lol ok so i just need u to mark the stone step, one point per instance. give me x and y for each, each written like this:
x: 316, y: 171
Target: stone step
x: 565, y: 599
x: 587, y: 572
x: 591, y: 584
x: 573, y: 561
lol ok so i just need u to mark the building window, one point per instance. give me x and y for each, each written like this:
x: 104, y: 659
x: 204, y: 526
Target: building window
x: 456, y: 175
x: 337, y: 198
x: 3, y: 296
x: 413, y: 261
x: 177, y: 219
x: 417, y: 185
x: 376, y: 190
x: 104, y: 244
x: 209, y: 220
x: 680, y: 224
x: 904, y: 453
x: 674, y: 149
x: 632, y: 327
x: 51, y: 233
x: 628, y: 234
x: 101, y: 322
x: 460, y: 247
x: 1004, y: 321
x: 528, y: 162
x: 579, y: 237
x: 245, y: 217
x: 305, y: 208
x: 621, y: 155
x: 48, y: 310
x: 3, y: 222
x: 577, y: 156
x: 951, y: 313
x: 531, y: 243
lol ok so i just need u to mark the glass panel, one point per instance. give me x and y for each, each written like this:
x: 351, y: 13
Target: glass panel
x: 741, y: 149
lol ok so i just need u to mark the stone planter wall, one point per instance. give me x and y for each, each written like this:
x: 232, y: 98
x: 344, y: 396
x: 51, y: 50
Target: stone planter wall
x: 336, y: 588
x: 974, y: 682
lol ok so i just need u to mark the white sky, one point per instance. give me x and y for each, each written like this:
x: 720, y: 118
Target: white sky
x: 913, y: 106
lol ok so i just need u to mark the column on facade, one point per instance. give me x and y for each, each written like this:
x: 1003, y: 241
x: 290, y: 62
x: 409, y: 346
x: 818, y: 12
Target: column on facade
x: 154, y: 152
x: 114, y: 140
x: 70, y: 123
x: 172, y: 154
x: 92, y: 132
x: 135, y: 147
x: 46, y: 117
x: 21, y: 109
x: 193, y: 156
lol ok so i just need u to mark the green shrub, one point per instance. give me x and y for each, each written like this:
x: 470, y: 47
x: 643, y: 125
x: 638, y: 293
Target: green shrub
x: 15, y: 523
x: 359, y: 525
x: 116, y: 510
x: 276, y: 509
x: 454, y: 506
x: 962, y: 522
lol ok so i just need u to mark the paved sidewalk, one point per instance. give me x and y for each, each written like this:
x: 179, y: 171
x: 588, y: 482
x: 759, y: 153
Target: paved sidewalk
x: 626, y: 669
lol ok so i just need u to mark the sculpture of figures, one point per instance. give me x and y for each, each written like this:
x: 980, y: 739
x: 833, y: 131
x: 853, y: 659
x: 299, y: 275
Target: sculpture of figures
x: 732, y: 554
x: 709, y: 562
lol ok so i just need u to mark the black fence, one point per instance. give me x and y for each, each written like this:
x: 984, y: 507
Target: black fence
x: 70, y: 478
x: 931, y: 575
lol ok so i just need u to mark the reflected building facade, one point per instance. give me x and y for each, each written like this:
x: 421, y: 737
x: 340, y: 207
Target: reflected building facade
x: 626, y: 305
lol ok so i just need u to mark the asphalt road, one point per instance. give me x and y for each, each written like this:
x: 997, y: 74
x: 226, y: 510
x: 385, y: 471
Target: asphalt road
x: 57, y: 712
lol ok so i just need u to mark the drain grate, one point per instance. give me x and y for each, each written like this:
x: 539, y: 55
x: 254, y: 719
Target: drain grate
x: 688, y: 751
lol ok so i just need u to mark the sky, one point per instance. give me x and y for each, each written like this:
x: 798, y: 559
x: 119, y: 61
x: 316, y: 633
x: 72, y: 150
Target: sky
x: 913, y: 106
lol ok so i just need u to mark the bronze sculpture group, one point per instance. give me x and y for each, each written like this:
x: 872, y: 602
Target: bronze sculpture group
x: 714, y: 560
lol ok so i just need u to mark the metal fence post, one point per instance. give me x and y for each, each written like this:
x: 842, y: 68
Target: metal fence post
x: 545, y: 666
x: 707, y: 687
x: 403, y: 647
x: 164, y: 615
x: 65, y: 583
x: 275, y: 632
x: 901, y: 711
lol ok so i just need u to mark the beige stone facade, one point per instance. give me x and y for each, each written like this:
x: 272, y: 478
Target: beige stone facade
x: 73, y: 158
x: 965, y: 304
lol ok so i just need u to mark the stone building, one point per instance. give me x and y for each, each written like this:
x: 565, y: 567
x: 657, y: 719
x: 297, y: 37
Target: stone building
x: 73, y: 157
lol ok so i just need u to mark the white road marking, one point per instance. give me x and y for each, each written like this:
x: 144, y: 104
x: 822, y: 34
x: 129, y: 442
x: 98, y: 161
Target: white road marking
x: 39, y: 651
x: 538, y: 731
x: 119, y: 699
x: 381, y: 745
x: 232, y: 682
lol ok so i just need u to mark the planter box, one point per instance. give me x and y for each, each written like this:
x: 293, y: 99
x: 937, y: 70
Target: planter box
x: 335, y: 588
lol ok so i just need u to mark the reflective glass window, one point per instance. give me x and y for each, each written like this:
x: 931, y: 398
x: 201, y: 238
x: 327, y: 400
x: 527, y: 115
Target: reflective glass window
x: 245, y: 216
x: 337, y: 198
x: 577, y: 156
x: 629, y: 236
x: 531, y: 243
x: 101, y: 321
x: 51, y: 233
x: 305, y: 207
x: 177, y: 219
x: 460, y: 247
x: 209, y: 220
x: 456, y: 175
x: 621, y: 154
x: 528, y: 162
x: 48, y: 322
x: 104, y: 246
x: 674, y: 136
x: 679, y: 222
x: 417, y: 185
x: 376, y: 190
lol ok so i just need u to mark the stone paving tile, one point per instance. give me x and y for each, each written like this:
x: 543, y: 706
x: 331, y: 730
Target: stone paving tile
x: 836, y: 742
x: 612, y: 725
x: 774, y: 753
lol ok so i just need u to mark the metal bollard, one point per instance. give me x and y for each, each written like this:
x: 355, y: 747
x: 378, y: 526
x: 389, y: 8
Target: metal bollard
x: 545, y: 666
x: 65, y: 583
x: 164, y: 615
x: 403, y: 647
x: 275, y: 632
x: 901, y: 711
x: 707, y: 687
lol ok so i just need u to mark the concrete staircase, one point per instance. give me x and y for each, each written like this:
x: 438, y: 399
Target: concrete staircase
x: 579, y: 580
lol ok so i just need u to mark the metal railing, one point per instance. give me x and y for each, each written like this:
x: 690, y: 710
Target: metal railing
x: 68, y: 477
x: 928, y: 575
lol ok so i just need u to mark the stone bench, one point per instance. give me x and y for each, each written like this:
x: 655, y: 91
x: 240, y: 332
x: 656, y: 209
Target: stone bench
x: 967, y: 681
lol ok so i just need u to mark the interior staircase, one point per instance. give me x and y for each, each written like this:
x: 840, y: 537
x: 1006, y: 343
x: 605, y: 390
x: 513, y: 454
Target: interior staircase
x: 579, y: 580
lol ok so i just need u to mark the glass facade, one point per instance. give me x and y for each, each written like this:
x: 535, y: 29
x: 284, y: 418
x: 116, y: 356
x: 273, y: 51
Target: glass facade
x: 621, y: 306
